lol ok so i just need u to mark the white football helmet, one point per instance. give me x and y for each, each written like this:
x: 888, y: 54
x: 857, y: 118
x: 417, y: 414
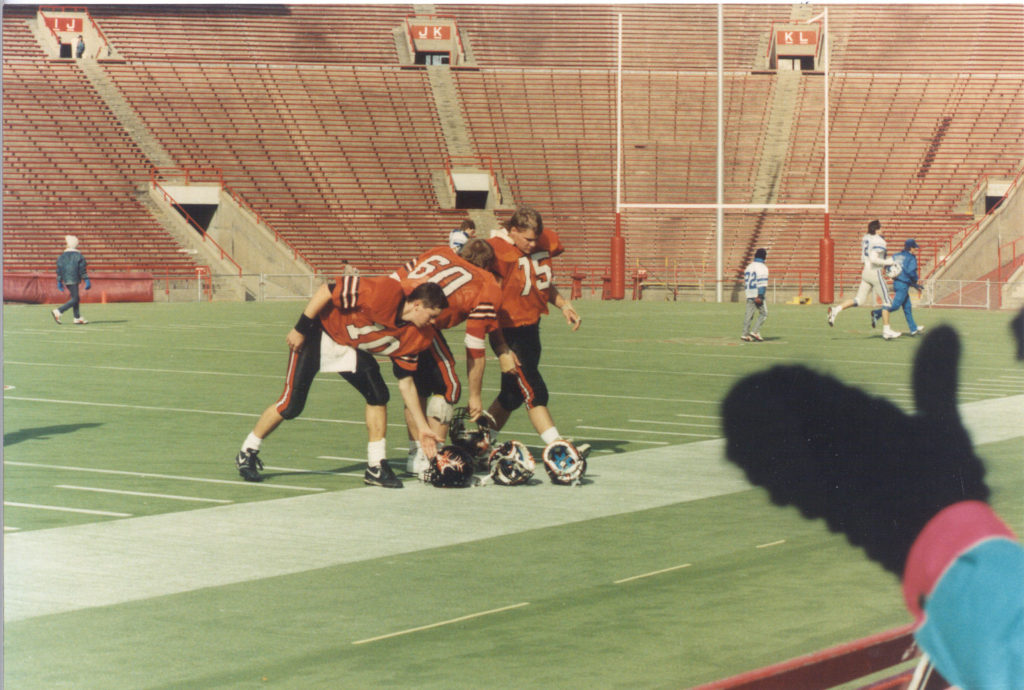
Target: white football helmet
x: 894, y: 270
x: 511, y: 463
x: 564, y: 463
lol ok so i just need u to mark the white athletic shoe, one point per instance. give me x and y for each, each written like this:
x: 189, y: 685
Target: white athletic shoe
x: 919, y: 330
x: 417, y: 464
x: 831, y: 317
x: 56, y: 315
x: 81, y: 322
x: 890, y: 334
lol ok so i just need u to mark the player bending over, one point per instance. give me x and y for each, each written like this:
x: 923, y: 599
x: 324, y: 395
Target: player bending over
x: 341, y: 329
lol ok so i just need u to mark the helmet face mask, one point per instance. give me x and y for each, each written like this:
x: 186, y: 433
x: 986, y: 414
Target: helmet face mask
x: 564, y: 464
x: 474, y: 436
x: 452, y: 467
x: 510, y: 464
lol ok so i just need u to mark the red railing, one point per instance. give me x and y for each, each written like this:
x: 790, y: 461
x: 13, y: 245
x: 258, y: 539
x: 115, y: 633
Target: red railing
x: 1014, y: 250
x: 957, y: 239
x: 278, y: 237
x: 830, y: 667
x: 197, y: 173
x: 484, y: 161
x: 191, y: 221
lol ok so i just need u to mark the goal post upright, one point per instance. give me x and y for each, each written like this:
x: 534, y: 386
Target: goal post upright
x: 618, y: 240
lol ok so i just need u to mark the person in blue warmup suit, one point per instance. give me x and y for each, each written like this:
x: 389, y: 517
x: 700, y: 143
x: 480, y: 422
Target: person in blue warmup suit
x: 901, y: 284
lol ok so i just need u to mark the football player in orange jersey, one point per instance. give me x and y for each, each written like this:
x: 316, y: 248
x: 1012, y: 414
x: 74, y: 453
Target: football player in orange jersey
x: 522, y: 259
x: 474, y: 296
x: 341, y: 329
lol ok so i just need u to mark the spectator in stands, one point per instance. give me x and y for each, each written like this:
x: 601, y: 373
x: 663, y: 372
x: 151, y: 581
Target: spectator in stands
x: 755, y: 282
x: 458, y: 237
x: 80, y: 47
x: 71, y: 270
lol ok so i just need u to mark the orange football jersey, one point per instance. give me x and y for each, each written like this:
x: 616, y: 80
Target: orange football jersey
x: 365, y: 313
x: 473, y: 293
x: 525, y: 280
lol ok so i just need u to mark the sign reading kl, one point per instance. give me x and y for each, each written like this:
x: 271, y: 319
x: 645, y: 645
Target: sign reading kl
x: 796, y: 38
x: 428, y: 32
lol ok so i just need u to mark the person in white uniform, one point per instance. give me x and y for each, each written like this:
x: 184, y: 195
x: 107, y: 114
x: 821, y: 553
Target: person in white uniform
x: 872, y: 279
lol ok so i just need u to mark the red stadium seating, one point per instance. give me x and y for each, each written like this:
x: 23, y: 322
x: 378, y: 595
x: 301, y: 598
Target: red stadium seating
x: 316, y: 126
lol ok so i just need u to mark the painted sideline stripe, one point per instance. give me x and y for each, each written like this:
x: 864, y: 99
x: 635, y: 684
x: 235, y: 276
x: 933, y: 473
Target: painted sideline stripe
x: 441, y: 623
x: 771, y: 543
x: 652, y: 421
x: 141, y: 493
x: 65, y: 510
x: 653, y: 573
x: 648, y: 431
x: 163, y: 476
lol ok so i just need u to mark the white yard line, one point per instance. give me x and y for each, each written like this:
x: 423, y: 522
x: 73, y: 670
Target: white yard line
x: 172, y: 477
x: 652, y: 573
x: 144, y: 494
x: 439, y: 624
x: 64, y: 509
x: 113, y: 562
x: 647, y: 431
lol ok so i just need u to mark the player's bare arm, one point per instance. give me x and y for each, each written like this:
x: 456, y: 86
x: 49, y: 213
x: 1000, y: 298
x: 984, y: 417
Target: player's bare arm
x: 427, y: 438
x: 507, y: 359
x: 296, y: 338
x: 571, y: 316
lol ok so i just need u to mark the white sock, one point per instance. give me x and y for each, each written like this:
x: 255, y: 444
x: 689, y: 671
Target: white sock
x: 414, y: 447
x: 252, y: 442
x: 550, y: 435
x: 837, y: 309
x: 375, y: 452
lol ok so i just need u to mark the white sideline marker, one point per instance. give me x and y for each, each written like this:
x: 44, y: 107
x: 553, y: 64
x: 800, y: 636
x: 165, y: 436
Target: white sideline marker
x: 441, y: 623
x: 653, y: 573
x: 163, y: 476
x: 770, y: 544
x: 648, y: 431
x: 141, y: 493
x: 62, y: 509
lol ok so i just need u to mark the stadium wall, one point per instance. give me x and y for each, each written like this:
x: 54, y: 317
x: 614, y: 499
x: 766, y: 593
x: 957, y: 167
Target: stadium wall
x: 38, y: 287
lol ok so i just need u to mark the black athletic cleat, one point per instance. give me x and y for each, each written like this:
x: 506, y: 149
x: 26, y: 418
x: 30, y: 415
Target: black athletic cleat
x: 248, y: 463
x: 874, y: 318
x: 382, y: 476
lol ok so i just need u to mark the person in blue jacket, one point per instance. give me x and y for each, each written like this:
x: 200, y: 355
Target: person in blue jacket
x: 901, y: 284
x: 911, y: 493
x: 71, y: 271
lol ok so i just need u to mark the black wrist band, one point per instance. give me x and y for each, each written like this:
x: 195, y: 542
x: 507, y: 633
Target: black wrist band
x: 305, y: 325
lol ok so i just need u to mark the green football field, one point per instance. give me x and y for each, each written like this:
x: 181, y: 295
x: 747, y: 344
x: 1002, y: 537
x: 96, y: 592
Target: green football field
x: 136, y: 557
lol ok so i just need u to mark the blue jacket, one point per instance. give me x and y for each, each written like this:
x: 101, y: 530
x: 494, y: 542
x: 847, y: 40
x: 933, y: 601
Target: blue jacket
x: 71, y: 267
x: 908, y: 276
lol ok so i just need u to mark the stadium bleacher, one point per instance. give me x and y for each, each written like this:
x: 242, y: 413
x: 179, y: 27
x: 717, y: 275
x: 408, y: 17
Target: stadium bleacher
x: 311, y: 119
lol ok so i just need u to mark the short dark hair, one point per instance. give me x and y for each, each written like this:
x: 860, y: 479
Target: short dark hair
x: 526, y: 218
x: 431, y: 294
x: 874, y: 226
x: 761, y: 254
x: 467, y: 225
x: 478, y: 252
